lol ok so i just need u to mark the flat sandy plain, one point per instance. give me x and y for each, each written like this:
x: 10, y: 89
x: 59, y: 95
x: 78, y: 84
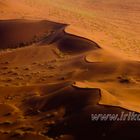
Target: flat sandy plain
x: 61, y: 61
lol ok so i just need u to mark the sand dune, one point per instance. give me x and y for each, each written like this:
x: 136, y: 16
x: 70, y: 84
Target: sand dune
x: 58, y: 80
x: 55, y: 73
x: 15, y: 31
x: 112, y: 24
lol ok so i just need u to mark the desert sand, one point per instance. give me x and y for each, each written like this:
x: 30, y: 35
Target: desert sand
x: 61, y: 61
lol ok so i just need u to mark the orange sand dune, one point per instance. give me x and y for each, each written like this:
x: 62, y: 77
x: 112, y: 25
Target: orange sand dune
x: 15, y: 31
x: 113, y: 24
x: 53, y: 77
x: 50, y: 85
x: 120, y: 97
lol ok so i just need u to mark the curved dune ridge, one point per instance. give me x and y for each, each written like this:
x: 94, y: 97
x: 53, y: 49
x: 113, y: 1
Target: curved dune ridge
x: 52, y: 81
x: 107, y: 98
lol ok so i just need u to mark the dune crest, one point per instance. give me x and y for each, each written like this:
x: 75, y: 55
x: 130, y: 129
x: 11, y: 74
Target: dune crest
x: 109, y: 98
